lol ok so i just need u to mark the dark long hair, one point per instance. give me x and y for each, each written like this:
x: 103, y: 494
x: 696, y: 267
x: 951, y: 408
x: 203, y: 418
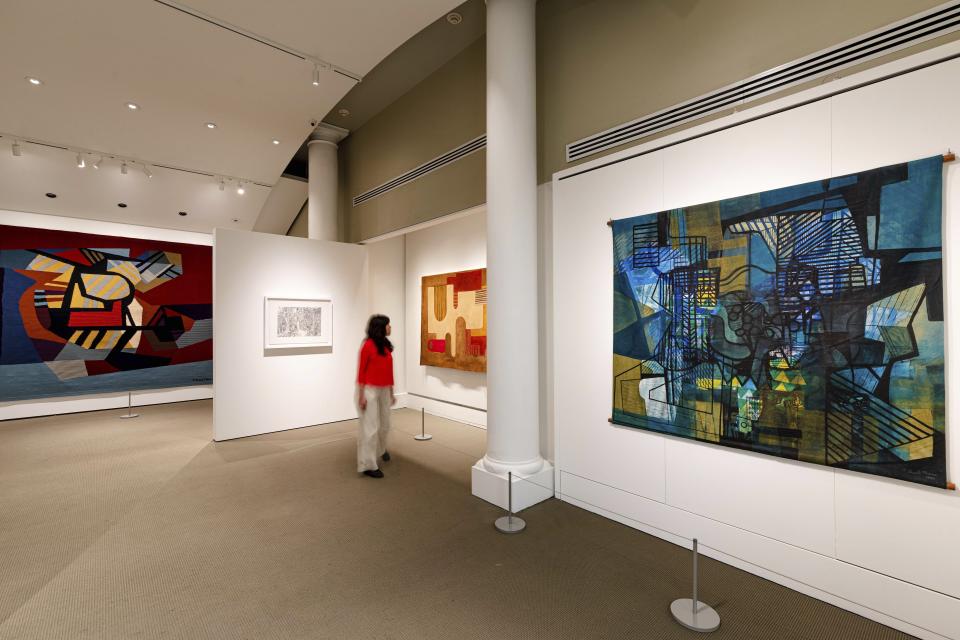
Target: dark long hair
x: 377, y: 331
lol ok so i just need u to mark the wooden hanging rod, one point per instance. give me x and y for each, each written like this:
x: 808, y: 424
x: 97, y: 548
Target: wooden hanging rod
x: 949, y: 157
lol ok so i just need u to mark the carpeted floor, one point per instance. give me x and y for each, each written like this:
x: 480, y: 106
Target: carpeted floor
x: 145, y: 529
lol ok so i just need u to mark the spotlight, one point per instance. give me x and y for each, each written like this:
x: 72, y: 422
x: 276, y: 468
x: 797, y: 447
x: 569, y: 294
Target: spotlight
x: 34, y: 81
x: 275, y: 141
x: 96, y: 165
x: 146, y: 171
x: 211, y: 125
x: 133, y: 106
x: 223, y: 184
x: 17, y: 152
x: 81, y: 161
x: 240, y: 189
x: 123, y: 168
x: 316, y: 75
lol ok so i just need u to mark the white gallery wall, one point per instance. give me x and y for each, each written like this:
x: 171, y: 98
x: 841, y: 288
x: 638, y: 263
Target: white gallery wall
x: 885, y: 549
x: 386, y: 291
x: 457, y: 244
x: 258, y: 390
x: 98, y: 401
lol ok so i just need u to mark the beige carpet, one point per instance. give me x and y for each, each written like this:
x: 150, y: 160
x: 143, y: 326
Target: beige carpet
x: 144, y: 529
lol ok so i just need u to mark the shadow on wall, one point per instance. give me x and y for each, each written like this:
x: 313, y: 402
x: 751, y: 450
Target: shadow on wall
x: 295, y: 351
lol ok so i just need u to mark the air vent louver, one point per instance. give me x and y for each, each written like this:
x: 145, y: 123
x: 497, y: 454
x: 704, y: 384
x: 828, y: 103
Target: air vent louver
x: 900, y: 35
x: 418, y: 172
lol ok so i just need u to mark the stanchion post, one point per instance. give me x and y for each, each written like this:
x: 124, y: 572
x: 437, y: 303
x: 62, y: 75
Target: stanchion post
x: 423, y: 427
x: 691, y: 613
x: 130, y: 413
x: 510, y: 523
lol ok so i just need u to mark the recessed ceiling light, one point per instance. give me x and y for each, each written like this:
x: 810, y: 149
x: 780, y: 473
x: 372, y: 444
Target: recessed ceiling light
x: 275, y: 141
x: 34, y: 81
x: 211, y: 125
x: 122, y: 205
x: 133, y: 106
x: 454, y: 18
x: 51, y: 195
x: 181, y: 213
x: 344, y: 112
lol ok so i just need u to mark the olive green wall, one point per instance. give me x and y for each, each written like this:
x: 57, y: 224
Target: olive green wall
x: 441, y: 113
x: 605, y: 62
x: 599, y: 63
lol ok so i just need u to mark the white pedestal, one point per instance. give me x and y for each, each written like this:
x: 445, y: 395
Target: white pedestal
x: 527, y: 492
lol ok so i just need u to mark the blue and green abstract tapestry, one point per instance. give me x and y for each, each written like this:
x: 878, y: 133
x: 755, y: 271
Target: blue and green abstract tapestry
x: 804, y: 322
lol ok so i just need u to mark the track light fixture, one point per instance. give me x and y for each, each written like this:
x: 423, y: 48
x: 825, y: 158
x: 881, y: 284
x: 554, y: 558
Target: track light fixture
x: 240, y: 189
x: 123, y: 168
x: 15, y: 147
x: 223, y: 184
x: 81, y: 161
x: 316, y: 75
x: 96, y: 165
x: 147, y: 172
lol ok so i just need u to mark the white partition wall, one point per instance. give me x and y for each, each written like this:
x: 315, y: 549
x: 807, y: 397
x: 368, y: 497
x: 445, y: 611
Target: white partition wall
x: 455, y: 245
x: 258, y: 390
x: 885, y: 549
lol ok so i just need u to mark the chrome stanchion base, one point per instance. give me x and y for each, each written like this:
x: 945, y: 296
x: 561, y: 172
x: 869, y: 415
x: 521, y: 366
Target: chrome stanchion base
x: 423, y: 436
x: 130, y: 415
x: 510, y: 524
x: 704, y: 620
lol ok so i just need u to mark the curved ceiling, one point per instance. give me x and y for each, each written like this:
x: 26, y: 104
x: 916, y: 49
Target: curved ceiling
x: 183, y: 64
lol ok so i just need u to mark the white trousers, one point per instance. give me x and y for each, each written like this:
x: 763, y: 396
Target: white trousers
x: 374, y: 427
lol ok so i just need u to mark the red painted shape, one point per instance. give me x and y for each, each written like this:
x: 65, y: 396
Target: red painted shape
x: 73, y: 255
x: 468, y: 280
x: 478, y: 345
x: 437, y: 346
x: 97, y: 367
x: 110, y: 318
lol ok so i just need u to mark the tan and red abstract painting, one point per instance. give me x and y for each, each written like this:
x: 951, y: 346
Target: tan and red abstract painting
x: 453, y: 327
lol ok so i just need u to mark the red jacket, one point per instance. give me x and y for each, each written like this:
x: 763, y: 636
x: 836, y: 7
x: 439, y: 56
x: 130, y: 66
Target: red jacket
x: 375, y: 370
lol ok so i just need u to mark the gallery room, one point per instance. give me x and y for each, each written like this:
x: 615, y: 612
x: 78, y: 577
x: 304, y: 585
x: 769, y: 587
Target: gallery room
x: 489, y: 319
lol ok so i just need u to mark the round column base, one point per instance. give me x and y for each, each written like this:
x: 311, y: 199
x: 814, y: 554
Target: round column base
x: 130, y: 415
x: 423, y: 436
x: 704, y: 620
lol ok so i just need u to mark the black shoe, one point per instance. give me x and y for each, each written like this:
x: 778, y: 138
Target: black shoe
x: 386, y: 456
x: 375, y: 473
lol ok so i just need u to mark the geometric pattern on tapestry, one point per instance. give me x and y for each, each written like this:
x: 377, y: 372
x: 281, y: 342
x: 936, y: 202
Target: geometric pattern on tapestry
x: 804, y: 322
x: 91, y: 314
x: 453, y: 323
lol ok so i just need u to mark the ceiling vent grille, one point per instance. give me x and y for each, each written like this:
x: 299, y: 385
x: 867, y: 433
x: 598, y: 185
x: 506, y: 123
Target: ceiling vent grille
x: 427, y: 167
x: 930, y: 24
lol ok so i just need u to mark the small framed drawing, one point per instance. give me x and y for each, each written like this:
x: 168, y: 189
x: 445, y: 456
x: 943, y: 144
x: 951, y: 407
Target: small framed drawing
x: 294, y: 322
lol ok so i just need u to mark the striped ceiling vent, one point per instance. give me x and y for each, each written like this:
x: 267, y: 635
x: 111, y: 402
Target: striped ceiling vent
x: 936, y: 22
x: 427, y: 167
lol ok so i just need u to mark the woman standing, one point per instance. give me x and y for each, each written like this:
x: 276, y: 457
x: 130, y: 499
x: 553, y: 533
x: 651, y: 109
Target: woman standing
x: 375, y: 396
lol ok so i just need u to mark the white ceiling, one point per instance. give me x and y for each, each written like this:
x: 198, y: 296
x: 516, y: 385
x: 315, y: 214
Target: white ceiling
x: 95, y: 56
x: 94, y: 194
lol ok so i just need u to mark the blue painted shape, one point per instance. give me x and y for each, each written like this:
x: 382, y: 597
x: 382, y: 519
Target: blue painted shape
x: 15, y: 345
x: 910, y: 210
x: 919, y: 256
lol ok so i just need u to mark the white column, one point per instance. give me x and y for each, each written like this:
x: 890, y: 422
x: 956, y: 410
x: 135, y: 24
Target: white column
x: 513, y: 407
x: 322, y: 216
